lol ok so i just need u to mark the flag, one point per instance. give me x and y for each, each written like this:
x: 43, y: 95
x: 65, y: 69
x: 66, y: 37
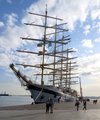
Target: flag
x: 39, y: 44
x: 49, y: 44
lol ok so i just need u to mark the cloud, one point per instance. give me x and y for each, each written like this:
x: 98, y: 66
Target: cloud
x: 89, y: 64
x: 71, y: 11
x: 15, y: 89
x: 95, y: 14
x: 97, y: 26
x: 91, y: 89
x: 10, y: 39
x: 13, y: 31
x: 1, y: 24
x: 4, y: 59
x: 87, y: 43
x: 89, y: 69
x: 87, y: 29
x: 9, y: 1
x: 97, y: 40
x: 11, y: 19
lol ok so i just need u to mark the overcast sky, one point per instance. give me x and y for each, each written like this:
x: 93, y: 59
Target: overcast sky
x: 83, y: 18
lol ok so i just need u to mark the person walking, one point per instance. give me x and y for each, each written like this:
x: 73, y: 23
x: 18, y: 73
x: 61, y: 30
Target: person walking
x: 49, y: 105
x: 84, y: 105
x: 77, y: 104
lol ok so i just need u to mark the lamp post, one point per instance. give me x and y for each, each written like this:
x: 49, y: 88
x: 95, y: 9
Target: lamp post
x: 81, y: 93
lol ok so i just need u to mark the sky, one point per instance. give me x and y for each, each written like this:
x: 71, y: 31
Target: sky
x: 83, y: 21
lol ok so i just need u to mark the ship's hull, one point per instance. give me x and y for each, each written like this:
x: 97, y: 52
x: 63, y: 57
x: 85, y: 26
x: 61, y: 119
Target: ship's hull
x: 40, y: 94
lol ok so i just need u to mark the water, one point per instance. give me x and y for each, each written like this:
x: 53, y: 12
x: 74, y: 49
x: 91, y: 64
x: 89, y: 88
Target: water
x: 15, y: 100
x: 21, y: 100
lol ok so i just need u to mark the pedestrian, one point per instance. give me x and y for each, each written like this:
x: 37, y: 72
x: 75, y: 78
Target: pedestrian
x: 51, y: 105
x: 59, y: 98
x: 47, y: 105
x: 77, y: 104
x: 84, y: 105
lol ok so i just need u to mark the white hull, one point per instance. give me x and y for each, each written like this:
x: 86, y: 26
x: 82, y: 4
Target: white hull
x: 40, y: 94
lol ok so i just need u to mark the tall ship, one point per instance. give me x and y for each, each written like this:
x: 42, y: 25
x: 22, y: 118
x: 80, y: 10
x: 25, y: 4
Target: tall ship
x: 54, y: 72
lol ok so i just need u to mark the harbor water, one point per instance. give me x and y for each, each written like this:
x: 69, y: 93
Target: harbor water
x: 15, y: 100
x: 22, y: 100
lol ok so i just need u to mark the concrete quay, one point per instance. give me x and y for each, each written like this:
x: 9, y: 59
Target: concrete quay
x: 57, y: 115
x: 62, y: 111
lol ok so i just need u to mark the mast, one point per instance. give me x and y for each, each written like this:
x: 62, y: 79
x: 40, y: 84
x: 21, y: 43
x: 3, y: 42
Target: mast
x: 66, y: 82
x: 59, y: 67
x: 69, y: 74
x: 50, y: 64
x: 61, y: 62
x: 54, y: 55
x: 44, y: 41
